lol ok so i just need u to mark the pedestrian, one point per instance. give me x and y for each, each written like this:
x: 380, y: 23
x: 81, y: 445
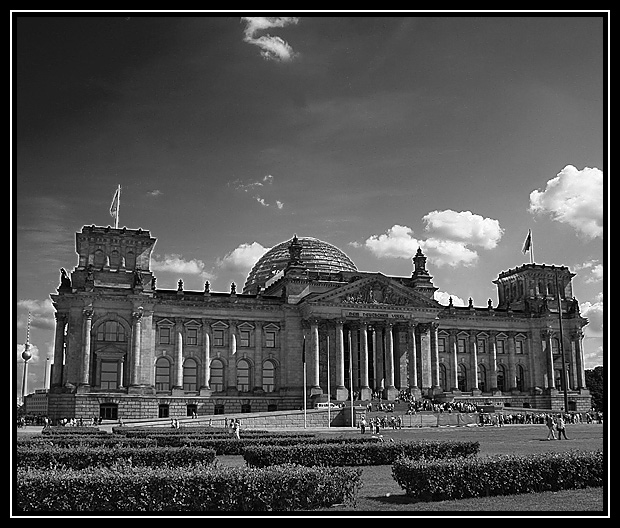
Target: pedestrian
x: 561, y: 427
x: 551, y: 426
x: 363, y: 425
x: 236, y: 429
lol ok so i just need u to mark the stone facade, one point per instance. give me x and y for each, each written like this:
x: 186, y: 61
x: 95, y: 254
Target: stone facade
x: 128, y: 349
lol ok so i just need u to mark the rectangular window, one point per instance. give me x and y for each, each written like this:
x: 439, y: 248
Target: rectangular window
x: 109, y: 375
x: 482, y: 346
x: 500, y: 347
x: 461, y: 343
x: 519, y: 347
x: 164, y: 336
x: 244, y: 338
x: 441, y: 344
x: 270, y: 339
x: 192, y: 336
x: 218, y: 337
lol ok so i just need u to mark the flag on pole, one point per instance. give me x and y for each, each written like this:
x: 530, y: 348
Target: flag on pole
x: 528, y: 242
x: 115, y: 205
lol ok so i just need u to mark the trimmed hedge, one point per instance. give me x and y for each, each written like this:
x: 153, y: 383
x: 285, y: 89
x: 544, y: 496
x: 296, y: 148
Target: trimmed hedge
x: 80, y: 457
x: 355, y: 454
x: 70, y: 430
x: 435, y: 480
x: 196, y: 489
x: 85, y: 440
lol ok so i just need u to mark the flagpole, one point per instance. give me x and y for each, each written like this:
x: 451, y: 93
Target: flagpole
x: 118, y: 206
x: 531, y: 249
x: 304, y: 362
x: 329, y: 411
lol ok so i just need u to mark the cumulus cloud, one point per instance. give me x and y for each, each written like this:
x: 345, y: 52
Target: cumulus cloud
x: 41, y: 314
x: 450, y: 233
x: 242, y: 258
x: 272, y: 48
x: 593, y: 271
x: 595, y: 315
x: 573, y: 197
x: 464, y: 226
x: 443, y: 297
x: 175, y: 263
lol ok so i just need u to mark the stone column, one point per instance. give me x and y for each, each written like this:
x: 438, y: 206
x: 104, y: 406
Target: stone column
x: 88, y: 325
x: 121, y: 383
x: 205, y: 389
x: 178, y: 359
x: 580, y: 375
x: 135, y: 348
x: 512, y: 363
x: 258, y: 356
x: 365, y: 390
x: 232, y: 357
x: 473, y: 348
x: 454, y: 362
x: 341, y: 391
x: 313, y: 364
x: 493, y: 354
x: 59, y: 349
x: 391, y: 392
x: 435, y: 359
x: 425, y: 356
x: 376, y: 373
x: 413, y: 362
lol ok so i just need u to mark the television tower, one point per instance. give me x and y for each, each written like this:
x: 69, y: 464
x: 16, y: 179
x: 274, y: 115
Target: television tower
x: 26, y: 355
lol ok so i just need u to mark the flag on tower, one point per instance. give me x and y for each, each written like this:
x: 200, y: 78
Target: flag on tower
x: 528, y: 242
x: 115, y: 205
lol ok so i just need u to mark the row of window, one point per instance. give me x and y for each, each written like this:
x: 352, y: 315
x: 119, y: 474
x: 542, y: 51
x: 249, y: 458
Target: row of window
x: 481, y: 345
x: 218, y: 337
x: 112, y: 331
x: 109, y: 411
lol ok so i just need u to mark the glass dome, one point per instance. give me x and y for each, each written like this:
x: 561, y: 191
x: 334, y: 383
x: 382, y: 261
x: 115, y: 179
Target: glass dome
x: 316, y: 255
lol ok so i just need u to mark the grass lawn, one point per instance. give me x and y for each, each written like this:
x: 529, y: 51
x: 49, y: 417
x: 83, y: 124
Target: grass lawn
x: 380, y: 492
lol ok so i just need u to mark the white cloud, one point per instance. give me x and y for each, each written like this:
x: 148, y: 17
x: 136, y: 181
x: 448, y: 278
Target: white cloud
x: 155, y: 192
x: 242, y: 258
x: 573, y: 197
x: 266, y: 180
x: 593, y: 270
x: 177, y: 264
x: 272, y: 48
x: 451, y: 232
x: 397, y: 242
x: 448, y: 252
x: 279, y: 204
x: 595, y: 315
x: 443, y: 297
x: 465, y: 227
x: 41, y: 314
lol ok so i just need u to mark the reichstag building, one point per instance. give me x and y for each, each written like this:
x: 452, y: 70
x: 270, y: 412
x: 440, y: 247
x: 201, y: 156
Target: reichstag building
x: 306, y: 318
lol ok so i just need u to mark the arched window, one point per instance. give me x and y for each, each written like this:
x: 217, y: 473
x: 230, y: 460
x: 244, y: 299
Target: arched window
x: 217, y: 375
x: 130, y: 260
x: 558, y: 380
x: 115, y: 259
x: 162, y: 374
x: 111, y: 331
x: 482, y: 378
x: 190, y: 375
x: 501, y: 377
x: 99, y: 259
x: 443, y: 377
x: 462, y: 378
x: 243, y: 375
x: 269, y: 376
x: 520, y: 378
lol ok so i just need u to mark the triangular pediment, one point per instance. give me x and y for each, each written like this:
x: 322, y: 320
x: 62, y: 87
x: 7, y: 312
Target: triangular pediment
x: 375, y: 290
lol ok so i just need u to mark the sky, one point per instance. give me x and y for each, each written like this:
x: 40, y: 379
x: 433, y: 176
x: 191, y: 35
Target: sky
x: 378, y: 132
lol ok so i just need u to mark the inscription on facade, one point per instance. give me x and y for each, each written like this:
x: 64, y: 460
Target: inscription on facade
x: 357, y: 314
